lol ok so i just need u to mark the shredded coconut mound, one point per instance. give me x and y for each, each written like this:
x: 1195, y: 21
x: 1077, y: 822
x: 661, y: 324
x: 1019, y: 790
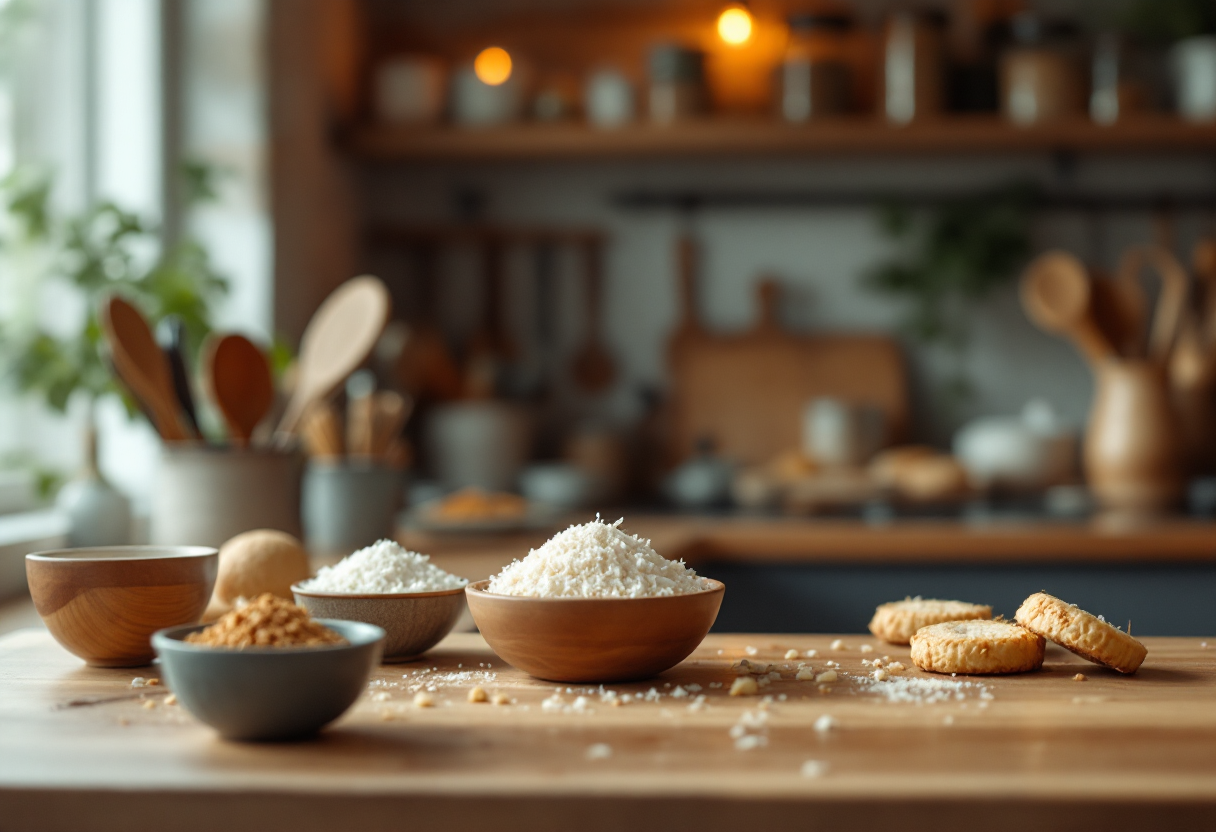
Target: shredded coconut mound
x: 384, y: 568
x: 596, y: 560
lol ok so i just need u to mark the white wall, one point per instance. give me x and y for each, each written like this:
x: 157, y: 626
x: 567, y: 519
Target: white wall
x: 817, y: 254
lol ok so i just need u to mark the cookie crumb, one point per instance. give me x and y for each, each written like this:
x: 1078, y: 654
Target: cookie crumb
x: 814, y: 768
x: 744, y: 686
x: 1080, y: 677
x: 478, y: 694
x: 422, y: 699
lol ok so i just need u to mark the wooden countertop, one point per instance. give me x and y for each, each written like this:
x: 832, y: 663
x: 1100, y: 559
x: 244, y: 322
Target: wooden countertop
x: 1035, y: 751
x: 743, y: 539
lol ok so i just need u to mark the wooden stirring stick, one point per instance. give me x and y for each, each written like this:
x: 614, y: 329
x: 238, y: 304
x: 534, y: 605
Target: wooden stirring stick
x: 322, y: 431
x: 1171, y: 302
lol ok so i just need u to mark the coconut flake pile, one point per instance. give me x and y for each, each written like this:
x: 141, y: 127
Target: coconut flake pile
x: 596, y: 560
x: 384, y: 568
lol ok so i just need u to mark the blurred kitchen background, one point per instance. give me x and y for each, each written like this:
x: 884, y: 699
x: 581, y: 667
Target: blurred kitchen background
x: 766, y: 278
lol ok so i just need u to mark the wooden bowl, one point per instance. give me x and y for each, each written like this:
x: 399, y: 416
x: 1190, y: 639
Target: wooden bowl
x: 594, y: 639
x: 413, y: 622
x: 103, y: 604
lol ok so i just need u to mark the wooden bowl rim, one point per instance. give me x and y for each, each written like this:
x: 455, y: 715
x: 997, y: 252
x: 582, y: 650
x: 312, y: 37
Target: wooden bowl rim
x: 477, y: 588
x: 113, y: 554
x: 173, y: 638
x: 373, y: 596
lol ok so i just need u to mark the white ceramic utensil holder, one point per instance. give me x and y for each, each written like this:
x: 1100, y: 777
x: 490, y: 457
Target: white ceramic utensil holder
x: 206, y: 495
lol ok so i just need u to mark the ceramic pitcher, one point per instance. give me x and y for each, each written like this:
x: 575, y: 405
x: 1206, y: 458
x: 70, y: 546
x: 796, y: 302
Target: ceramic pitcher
x: 1133, y: 448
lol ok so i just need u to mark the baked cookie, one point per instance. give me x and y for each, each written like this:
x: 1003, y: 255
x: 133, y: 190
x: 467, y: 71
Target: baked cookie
x: 897, y: 621
x: 980, y: 647
x: 1086, y: 635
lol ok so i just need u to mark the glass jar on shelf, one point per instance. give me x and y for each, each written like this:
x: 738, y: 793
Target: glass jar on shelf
x: 1041, y: 73
x: 677, y: 83
x: 913, y: 66
x: 815, y: 79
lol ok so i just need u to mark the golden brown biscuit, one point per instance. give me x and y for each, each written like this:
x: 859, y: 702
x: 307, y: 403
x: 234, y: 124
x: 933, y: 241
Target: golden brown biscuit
x: 978, y: 647
x: 256, y: 562
x: 897, y: 621
x: 1089, y: 636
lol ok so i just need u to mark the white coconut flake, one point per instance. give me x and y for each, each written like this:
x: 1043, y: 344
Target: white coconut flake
x: 814, y: 768
x: 599, y: 751
x: 596, y: 560
x: 384, y: 568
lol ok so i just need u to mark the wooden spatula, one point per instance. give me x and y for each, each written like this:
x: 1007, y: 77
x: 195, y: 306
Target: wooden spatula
x: 1056, y: 294
x: 142, y: 367
x: 338, y: 339
x: 238, y: 377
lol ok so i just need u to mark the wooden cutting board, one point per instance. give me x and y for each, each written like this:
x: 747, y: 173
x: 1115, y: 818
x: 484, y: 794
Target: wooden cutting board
x: 747, y: 392
x: 1031, y: 751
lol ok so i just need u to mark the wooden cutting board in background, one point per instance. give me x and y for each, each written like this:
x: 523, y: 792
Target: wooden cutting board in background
x: 747, y: 392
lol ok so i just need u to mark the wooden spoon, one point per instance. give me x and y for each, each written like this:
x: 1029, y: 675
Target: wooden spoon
x: 593, y: 367
x: 1171, y: 302
x: 1119, y: 314
x: 1056, y: 294
x: 336, y: 341
x: 142, y: 367
x: 1203, y: 263
x: 240, y: 382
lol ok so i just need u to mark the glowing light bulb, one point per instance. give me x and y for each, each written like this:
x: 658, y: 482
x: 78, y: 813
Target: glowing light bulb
x: 492, y: 66
x: 735, y: 25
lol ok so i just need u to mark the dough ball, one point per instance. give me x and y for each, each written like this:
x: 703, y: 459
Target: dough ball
x: 255, y: 562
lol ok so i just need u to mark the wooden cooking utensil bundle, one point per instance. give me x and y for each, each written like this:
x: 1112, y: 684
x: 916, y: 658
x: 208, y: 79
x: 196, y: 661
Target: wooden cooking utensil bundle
x: 372, y: 434
x: 1150, y: 367
x: 236, y: 372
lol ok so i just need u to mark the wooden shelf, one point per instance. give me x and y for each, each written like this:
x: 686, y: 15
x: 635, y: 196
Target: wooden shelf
x: 725, y: 137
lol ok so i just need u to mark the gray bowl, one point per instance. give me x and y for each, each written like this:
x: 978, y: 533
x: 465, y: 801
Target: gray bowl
x: 413, y: 622
x: 269, y: 693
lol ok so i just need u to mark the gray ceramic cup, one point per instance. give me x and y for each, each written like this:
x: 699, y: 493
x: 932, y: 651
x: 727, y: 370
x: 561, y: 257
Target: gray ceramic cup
x: 269, y: 693
x: 349, y: 505
x: 413, y: 623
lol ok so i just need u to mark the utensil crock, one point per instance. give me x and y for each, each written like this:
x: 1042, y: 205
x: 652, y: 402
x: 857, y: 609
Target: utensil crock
x: 1133, y: 452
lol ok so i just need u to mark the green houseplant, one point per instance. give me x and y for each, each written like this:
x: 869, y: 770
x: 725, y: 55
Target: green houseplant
x: 947, y: 259
x: 104, y: 249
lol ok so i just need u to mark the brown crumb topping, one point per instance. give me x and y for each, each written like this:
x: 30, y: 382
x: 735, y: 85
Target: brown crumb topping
x: 266, y: 621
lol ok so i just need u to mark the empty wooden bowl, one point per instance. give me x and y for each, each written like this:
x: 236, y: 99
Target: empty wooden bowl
x: 594, y: 639
x: 103, y: 604
x: 413, y: 622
